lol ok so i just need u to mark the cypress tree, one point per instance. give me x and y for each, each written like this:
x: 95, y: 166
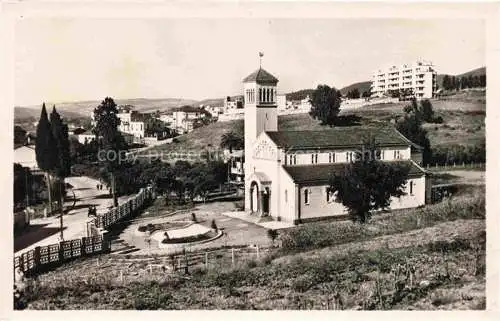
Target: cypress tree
x: 63, y: 163
x: 46, y: 150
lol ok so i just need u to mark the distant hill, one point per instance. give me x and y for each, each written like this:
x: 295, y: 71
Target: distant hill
x: 80, y: 109
x: 361, y: 86
x: 33, y: 114
x: 217, y: 102
x: 300, y: 94
x: 475, y: 72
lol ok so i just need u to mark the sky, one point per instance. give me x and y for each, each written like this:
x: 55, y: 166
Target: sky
x: 76, y: 59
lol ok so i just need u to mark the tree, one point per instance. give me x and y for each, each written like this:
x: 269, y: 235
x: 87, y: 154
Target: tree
x: 427, y: 111
x: 46, y: 150
x: 482, y: 80
x: 231, y: 141
x: 62, y: 166
x: 411, y: 127
x: 19, y: 135
x: 366, y: 94
x: 446, y: 82
x: 368, y: 184
x: 325, y: 103
x: 113, y: 144
x: 22, y: 184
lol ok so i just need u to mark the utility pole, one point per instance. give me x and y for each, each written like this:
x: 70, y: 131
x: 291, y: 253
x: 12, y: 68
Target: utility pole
x: 27, y: 190
x: 61, y: 200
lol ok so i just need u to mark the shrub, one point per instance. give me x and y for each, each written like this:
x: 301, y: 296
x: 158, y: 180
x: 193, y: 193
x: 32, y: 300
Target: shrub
x: 142, y: 228
x: 193, y: 217
x: 438, y: 120
x: 272, y: 234
x: 214, y: 225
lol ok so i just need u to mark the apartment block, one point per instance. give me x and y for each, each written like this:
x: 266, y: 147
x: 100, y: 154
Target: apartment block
x: 418, y: 79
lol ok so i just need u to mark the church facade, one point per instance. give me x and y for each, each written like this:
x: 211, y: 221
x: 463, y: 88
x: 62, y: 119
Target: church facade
x: 287, y: 172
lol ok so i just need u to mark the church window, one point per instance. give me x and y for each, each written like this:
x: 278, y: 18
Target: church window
x: 328, y: 195
x: 306, y: 196
x: 331, y: 157
x: 396, y: 154
x: 267, y: 95
x: 411, y: 187
x: 272, y: 98
x: 260, y: 94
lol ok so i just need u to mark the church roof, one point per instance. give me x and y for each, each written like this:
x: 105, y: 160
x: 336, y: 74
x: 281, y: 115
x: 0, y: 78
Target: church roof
x: 261, y: 76
x: 339, y: 137
x: 320, y: 174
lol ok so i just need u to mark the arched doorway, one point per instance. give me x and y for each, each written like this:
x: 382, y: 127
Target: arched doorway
x: 254, y: 197
x: 266, y: 195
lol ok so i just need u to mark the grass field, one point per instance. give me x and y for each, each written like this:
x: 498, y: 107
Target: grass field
x: 431, y: 258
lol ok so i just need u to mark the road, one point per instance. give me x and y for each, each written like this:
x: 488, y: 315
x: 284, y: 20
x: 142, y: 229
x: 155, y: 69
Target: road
x: 44, y: 231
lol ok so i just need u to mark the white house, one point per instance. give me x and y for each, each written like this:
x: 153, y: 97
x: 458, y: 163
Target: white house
x: 26, y: 156
x: 287, y: 172
x: 184, y: 118
x: 131, y: 122
x: 85, y: 137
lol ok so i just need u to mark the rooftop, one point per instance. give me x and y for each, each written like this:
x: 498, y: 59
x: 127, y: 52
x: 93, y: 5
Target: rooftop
x: 321, y: 173
x: 338, y: 137
x: 261, y: 76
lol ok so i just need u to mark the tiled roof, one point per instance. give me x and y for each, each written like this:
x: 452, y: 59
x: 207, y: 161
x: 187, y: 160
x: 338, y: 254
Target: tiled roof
x: 261, y: 76
x: 339, y: 137
x: 320, y: 174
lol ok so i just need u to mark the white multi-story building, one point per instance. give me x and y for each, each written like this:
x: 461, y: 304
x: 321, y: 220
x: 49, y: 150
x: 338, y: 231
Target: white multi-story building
x: 131, y: 122
x: 418, y: 79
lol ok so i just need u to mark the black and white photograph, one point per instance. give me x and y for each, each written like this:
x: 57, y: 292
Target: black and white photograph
x: 250, y: 160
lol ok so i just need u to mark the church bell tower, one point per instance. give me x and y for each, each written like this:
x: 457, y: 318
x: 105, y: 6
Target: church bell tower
x: 261, y: 112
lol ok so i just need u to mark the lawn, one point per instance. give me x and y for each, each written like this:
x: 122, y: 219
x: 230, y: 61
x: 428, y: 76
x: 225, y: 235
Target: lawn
x: 199, y: 139
x: 428, y: 258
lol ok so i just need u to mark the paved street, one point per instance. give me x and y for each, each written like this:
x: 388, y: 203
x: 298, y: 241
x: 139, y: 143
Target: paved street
x: 44, y: 231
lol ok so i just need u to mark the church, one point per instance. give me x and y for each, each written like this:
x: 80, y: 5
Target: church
x: 287, y: 172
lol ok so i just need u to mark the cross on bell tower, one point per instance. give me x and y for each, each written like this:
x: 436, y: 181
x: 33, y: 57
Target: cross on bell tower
x: 261, y: 54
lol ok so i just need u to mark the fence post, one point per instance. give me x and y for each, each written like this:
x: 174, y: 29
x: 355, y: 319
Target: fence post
x: 36, y: 259
x: 232, y: 256
x: 258, y: 252
x: 206, y: 260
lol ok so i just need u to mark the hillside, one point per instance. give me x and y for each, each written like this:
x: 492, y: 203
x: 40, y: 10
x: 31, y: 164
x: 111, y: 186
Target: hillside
x: 361, y: 86
x: 475, y: 72
x: 300, y: 94
x: 431, y: 258
x: 23, y: 114
x: 84, y: 108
